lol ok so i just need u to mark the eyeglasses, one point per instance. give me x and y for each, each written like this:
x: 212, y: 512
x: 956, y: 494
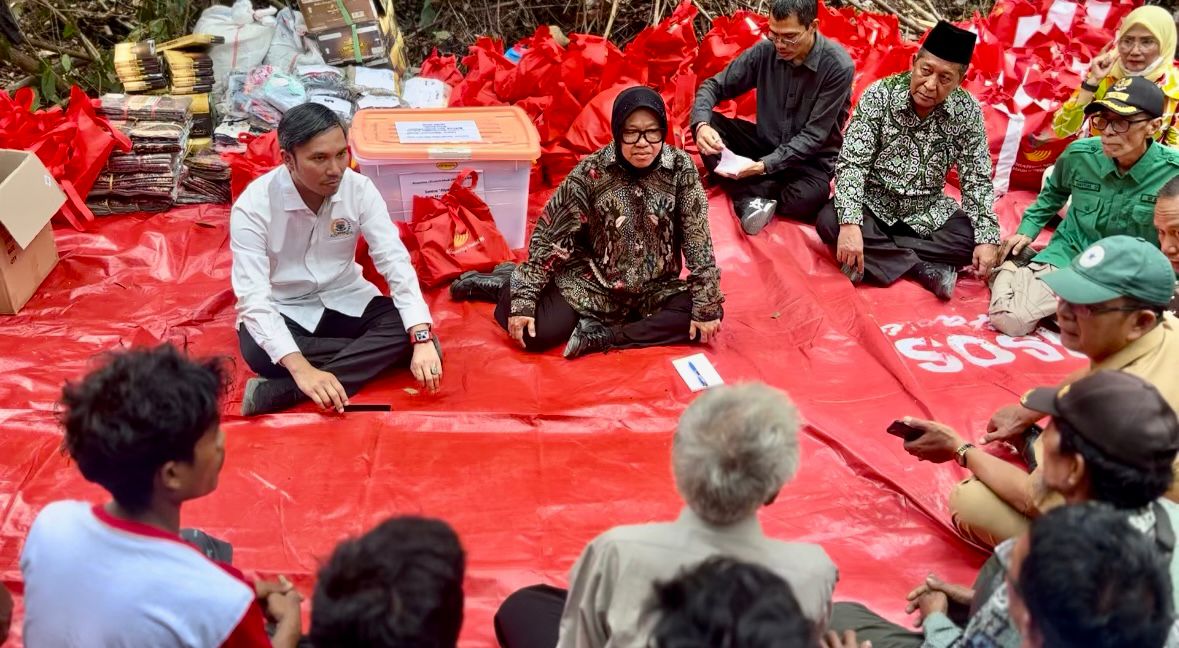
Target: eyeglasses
x: 1088, y: 310
x: 1127, y: 43
x: 785, y: 40
x: 653, y: 136
x: 1118, y: 126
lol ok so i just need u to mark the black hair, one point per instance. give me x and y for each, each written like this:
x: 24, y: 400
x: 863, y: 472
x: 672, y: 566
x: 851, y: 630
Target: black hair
x: 398, y: 586
x: 141, y: 409
x: 723, y: 602
x: 962, y: 67
x: 1170, y: 189
x: 1091, y: 580
x: 1125, y: 487
x: 804, y: 11
x: 304, y: 123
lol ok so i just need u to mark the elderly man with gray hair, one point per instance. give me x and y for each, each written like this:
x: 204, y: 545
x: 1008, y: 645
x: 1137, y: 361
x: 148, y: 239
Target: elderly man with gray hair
x: 734, y: 449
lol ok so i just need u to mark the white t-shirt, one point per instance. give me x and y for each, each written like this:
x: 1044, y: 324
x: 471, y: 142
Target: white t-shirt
x: 95, y: 580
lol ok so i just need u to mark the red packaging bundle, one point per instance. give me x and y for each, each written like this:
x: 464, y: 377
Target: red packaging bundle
x: 73, y: 144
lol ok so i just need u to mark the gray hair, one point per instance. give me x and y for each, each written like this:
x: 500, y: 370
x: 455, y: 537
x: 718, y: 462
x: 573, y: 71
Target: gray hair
x: 734, y: 449
x: 1171, y: 188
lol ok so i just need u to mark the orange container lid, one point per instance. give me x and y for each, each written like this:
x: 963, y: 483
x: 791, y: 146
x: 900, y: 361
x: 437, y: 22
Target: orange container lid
x: 475, y: 133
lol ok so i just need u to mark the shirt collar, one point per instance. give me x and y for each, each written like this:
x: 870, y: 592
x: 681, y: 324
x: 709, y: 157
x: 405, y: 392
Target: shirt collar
x: 749, y: 527
x: 1149, y: 160
x: 292, y: 201
x: 1140, y: 347
x: 817, y: 50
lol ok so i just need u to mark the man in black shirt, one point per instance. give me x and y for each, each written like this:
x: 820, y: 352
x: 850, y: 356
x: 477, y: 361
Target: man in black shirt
x: 804, y: 84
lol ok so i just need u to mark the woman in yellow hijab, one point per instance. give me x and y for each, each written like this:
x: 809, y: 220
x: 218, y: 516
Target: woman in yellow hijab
x: 1145, y: 47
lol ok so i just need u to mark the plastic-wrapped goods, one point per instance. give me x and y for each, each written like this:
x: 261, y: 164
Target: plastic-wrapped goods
x: 292, y: 47
x: 284, y: 91
x: 141, y: 107
x: 342, y: 107
x: 421, y: 92
x: 113, y: 206
x: 247, y: 35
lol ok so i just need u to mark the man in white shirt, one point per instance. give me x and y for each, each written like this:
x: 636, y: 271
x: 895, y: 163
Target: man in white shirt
x: 146, y: 428
x: 733, y: 450
x: 308, y: 321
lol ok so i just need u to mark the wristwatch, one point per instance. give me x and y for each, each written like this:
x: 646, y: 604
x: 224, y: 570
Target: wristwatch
x: 422, y: 336
x: 960, y: 453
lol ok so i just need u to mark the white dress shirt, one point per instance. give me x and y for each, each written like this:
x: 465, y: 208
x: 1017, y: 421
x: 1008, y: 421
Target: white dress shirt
x: 288, y: 260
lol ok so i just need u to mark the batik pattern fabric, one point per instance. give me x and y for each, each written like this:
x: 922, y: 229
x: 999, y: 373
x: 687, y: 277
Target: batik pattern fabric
x: 615, y: 243
x: 895, y: 163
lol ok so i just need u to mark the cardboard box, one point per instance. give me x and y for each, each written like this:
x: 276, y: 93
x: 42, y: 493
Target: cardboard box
x: 339, y: 46
x: 394, y: 40
x: 325, y: 15
x: 29, y: 197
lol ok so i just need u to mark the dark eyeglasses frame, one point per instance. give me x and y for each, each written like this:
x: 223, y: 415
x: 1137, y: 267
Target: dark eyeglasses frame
x: 1101, y: 123
x: 632, y: 137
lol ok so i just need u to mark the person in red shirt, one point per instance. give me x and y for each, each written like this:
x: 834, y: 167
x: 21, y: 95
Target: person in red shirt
x: 146, y: 427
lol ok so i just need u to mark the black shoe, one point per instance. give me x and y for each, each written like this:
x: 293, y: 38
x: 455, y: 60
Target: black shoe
x: 264, y: 396
x: 481, y: 286
x: 755, y: 214
x: 590, y: 336
x: 937, y: 278
x: 1024, y: 257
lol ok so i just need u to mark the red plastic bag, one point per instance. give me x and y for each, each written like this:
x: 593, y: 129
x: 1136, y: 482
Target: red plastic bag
x: 442, y: 68
x: 261, y: 156
x: 590, y: 64
x: 453, y: 234
x: 73, y: 144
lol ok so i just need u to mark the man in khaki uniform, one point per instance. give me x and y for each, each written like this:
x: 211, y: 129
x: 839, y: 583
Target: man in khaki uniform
x: 1112, y: 301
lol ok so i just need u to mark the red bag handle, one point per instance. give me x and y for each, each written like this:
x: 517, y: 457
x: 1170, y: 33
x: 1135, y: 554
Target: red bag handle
x: 463, y: 176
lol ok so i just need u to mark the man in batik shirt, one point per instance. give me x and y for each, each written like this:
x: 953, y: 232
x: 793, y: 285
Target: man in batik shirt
x: 890, y: 218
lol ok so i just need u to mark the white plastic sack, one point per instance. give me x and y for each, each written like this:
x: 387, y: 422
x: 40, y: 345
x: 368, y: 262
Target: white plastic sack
x: 292, y: 46
x: 421, y: 92
x: 247, y: 35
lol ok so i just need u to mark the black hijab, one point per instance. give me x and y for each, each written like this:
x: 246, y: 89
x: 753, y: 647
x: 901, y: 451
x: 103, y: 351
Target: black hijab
x: 628, y: 101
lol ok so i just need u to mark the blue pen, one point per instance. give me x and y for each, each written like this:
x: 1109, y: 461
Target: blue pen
x: 703, y: 382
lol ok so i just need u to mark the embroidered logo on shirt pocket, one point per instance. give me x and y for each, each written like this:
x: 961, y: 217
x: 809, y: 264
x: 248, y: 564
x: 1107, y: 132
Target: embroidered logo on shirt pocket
x: 340, y: 228
x: 1148, y: 199
x: 1085, y: 185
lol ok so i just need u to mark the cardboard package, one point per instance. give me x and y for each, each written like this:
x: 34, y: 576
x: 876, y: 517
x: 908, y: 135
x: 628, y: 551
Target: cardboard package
x: 344, y: 47
x: 325, y: 15
x: 394, y: 40
x: 29, y: 197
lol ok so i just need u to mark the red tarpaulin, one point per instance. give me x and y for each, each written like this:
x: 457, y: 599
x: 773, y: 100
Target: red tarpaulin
x: 530, y: 456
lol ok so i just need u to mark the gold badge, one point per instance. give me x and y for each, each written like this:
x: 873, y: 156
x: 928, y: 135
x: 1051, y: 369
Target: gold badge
x: 1122, y: 84
x: 339, y: 228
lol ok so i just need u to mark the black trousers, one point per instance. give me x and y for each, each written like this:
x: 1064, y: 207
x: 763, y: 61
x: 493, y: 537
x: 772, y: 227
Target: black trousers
x: 531, y: 617
x: 800, y: 192
x: 556, y: 319
x: 353, y: 349
x: 892, y: 250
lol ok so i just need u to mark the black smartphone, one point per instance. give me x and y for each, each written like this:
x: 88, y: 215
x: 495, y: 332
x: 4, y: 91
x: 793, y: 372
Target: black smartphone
x: 906, y: 432
x: 368, y: 408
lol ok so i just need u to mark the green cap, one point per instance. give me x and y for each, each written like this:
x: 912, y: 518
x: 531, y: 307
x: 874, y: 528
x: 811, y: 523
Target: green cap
x: 1116, y: 266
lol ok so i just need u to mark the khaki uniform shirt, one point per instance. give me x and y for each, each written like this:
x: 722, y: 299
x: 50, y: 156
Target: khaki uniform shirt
x: 1153, y: 357
x: 611, y: 585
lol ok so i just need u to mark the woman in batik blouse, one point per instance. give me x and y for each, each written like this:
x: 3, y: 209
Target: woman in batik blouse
x: 604, y: 263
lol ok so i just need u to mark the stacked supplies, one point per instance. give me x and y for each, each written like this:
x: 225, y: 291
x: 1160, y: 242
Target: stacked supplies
x: 204, y: 179
x: 139, y: 67
x: 189, y: 63
x: 146, y: 178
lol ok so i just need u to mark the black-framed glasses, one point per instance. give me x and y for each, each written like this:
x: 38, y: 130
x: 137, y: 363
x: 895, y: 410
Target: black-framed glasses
x: 653, y: 136
x: 1089, y: 310
x: 785, y: 40
x: 1118, y: 126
